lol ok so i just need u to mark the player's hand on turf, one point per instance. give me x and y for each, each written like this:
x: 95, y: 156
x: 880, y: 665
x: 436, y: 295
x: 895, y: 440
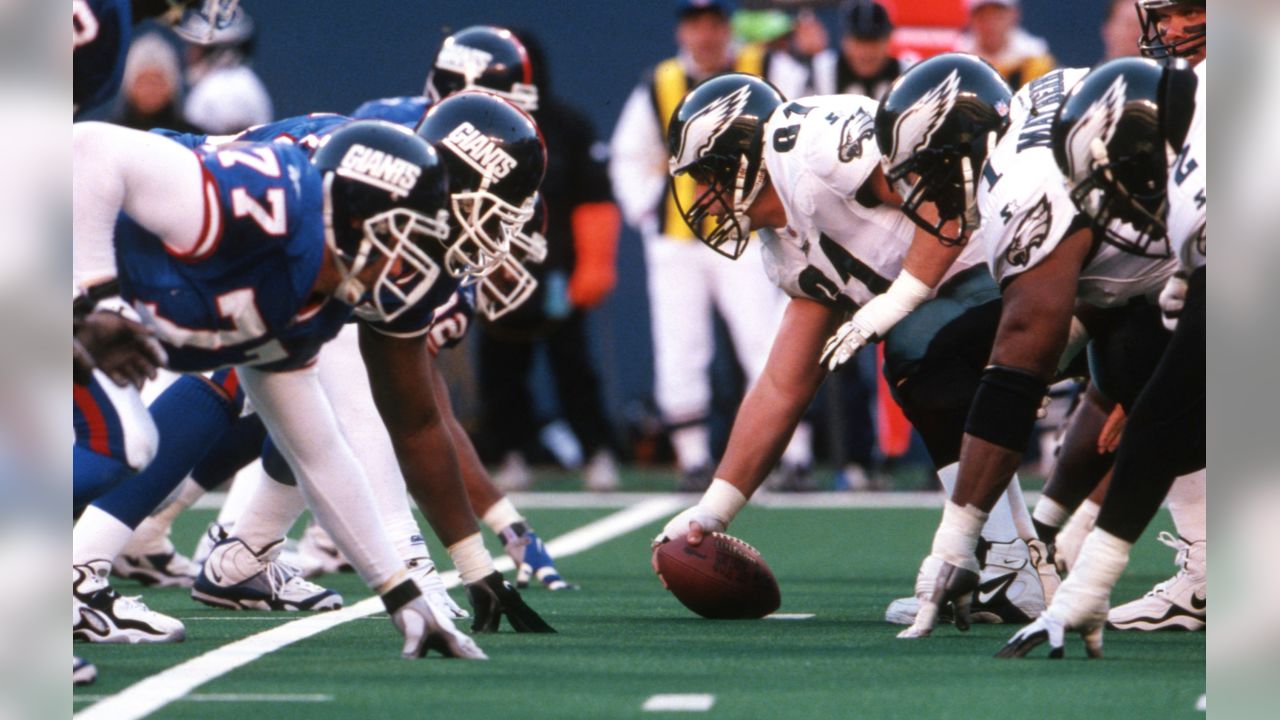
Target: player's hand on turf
x: 848, y: 340
x: 126, y: 351
x: 1048, y: 628
x: 1172, y: 298
x: 426, y: 627
x: 953, y: 586
x: 532, y: 560
x: 492, y: 598
x: 692, y: 524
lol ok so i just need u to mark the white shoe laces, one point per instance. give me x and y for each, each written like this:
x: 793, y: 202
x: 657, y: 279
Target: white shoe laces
x: 282, y: 575
x: 1184, y: 551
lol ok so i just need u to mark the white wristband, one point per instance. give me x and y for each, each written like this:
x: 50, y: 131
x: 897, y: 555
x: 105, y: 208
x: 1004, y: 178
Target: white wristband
x: 723, y: 500
x: 471, y: 559
x: 884, y: 311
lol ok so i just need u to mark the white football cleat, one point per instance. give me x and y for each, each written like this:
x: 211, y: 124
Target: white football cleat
x: 82, y: 671
x: 214, y: 534
x: 321, y: 550
x: 101, y: 615
x: 600, y: 474
x: 237, y: 578
x: 1010, y: 588
x: 513, y: 474
x: 1179, y: 603
x: 171, y: 569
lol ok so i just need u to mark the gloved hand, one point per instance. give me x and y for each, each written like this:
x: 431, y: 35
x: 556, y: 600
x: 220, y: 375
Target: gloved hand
x: 126, y: 351
x: 692, y: 524
x: 424, y: 627
x: 1048, y: 628
x: 1172, y: 298
x: 531, y: 558
x: 842, y: 346
x: 492, y: 597
x: 952, y: 585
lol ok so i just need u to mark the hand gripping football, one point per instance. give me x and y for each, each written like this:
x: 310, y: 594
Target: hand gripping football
x: 721, y: 578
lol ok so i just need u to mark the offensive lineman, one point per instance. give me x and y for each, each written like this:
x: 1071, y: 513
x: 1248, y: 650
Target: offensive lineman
x: 806, y: 176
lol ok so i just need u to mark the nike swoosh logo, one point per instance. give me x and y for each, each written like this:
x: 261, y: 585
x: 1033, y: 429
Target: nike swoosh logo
x: 213, y: 572
x: 994, y: 587
x: 1198, y: 602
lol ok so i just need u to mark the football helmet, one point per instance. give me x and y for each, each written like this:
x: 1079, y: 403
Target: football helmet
x: 496, y: 158
x: 716, y: 137
x: 505, y: 289
x: 485, y: 58
x: 935, y: 128
x: 209, y: 21
x: 385, y: 196
x: 1110, y: 144
x: 1152, y: 44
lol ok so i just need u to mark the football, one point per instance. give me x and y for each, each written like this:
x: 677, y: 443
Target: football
x: 721, y: 578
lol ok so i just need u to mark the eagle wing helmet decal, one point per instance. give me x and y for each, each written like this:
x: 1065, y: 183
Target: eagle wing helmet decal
x: 916, y: 125
x: 1097, y: 123
x: 706, y: 126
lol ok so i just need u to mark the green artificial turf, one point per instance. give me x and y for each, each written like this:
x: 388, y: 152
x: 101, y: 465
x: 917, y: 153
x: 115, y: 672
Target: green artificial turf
x: 623, y: 639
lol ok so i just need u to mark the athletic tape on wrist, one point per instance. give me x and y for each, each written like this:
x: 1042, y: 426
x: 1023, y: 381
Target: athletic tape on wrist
x: 1004, y: 407
x: 400, y: 595
x: 723, y: 500
x: 471, y: 558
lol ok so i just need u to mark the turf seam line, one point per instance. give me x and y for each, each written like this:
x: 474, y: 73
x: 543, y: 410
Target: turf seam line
x: 152, y: 693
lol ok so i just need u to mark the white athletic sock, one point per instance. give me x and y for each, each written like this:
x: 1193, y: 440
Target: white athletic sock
x: 1087, y: 590
x: 269, y: 514
x: 956, y: 539
x: 502, y: 515
x: 1018, y: 510
x: 152, y: 535
x: 692, y: 445
x: 243, y: 486
x: 1000, y: 527
x: 799, y: 451
x: 1050, y: 512
x: 98, y: 535
x: 1187, y: 505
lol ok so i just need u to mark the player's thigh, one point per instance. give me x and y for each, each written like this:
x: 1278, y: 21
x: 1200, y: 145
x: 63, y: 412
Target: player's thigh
x: 1124, y: 353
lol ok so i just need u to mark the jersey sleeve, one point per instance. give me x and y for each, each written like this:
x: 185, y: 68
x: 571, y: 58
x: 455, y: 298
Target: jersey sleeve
x: 405, y: 111
x: 838, y: 143
x: 1025, y: 215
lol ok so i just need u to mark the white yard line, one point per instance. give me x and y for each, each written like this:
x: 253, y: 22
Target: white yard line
x: 146, y: 696
x: 232, y: 697
x: 682, y: 702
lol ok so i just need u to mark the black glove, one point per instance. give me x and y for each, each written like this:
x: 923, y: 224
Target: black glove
x: 492, y: 597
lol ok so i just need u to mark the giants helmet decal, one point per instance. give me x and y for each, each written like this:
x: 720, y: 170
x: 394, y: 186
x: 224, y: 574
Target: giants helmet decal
x: 701, y: 130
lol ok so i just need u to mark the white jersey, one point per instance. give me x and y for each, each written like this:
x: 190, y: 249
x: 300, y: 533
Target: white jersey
x: 1188, y: 181
x: 840, y: 246
x: 1027, y: 211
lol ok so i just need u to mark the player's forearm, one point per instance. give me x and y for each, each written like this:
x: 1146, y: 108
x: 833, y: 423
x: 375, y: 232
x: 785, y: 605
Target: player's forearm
x: 431, y: 472
x: 480, y: 488
x: 774, y: 405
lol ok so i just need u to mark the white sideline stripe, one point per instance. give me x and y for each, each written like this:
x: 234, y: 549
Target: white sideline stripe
x: 789, y: 616
x: 148, y: 695
x: 685, y: 702
x: 763, y: 498
x: 230, y: 697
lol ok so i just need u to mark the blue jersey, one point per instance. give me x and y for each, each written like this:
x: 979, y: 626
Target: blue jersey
x: 407, y: 111
x: 100, y: 31
x: 306, y: 131
x: 242, y: 296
